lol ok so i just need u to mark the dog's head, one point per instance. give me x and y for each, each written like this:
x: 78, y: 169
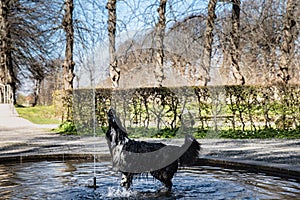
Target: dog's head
x: 111, y: 115
x: 115, y: 129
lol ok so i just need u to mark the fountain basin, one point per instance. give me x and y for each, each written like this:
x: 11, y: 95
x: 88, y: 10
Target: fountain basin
x: 64, y: 177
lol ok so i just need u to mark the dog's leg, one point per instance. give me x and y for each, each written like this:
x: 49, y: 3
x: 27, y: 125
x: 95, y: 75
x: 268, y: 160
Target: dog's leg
x: 168, y: 184
x: 164, y: 178
x: 165, y: 175
x: 126, y: 180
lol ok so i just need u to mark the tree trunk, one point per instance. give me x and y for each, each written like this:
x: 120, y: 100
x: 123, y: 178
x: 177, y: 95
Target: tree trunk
x: 206, y: 60
x: 7, y: 75
x: 114, y: 70
x: 68, y: 65
x: 160, y: 34
x: 36, y: 92
x: 235, y: 42
x: 288, y: 43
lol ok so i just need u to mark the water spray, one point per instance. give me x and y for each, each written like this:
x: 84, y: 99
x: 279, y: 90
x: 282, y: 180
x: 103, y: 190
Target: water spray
x: 94, y: 98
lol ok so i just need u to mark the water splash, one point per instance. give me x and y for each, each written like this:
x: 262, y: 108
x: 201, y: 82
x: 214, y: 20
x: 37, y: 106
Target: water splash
x: 119, y: 192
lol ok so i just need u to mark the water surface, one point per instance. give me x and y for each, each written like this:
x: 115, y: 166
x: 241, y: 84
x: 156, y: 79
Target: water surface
x: 73, y: 180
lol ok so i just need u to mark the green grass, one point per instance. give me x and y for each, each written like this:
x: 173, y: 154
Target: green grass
x: 140, y: 132
x: 39, y: 114
x: 70, y: 128
x: 269, y: 133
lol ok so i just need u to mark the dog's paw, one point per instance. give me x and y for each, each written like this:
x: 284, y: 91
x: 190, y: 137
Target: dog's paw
x: 125, y: 182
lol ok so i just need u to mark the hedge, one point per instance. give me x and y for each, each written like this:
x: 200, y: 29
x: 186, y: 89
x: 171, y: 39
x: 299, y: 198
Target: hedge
x: 245, y: 108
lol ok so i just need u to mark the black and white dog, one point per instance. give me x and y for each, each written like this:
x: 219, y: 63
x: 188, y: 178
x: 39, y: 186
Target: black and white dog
x: 137, y: 157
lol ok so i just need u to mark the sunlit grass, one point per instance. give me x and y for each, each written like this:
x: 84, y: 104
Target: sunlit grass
x: 39, y: 114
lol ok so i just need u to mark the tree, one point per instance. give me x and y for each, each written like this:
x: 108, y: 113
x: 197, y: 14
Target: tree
x: 235, y: 42
x: 208, y: 37
x: 243, y: 43
x: 260, y: 28
x: 7, y: 74
x: 113, y: 62
x: 26, y: 32
x: 68, y: 64
x: 38, y: 76
x: 160, y: 34
x: 289, y: 35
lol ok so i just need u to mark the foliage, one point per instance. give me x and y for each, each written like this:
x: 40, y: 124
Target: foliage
x: 39, y: 114
x: 21, y: 100
x: 62, y: 100
x: 237, y: 134
x: 213, y: 111
x: 237, y: 107
x: 261, y: 134
x: 200, y: 134
x: 67, y: 127
x: 140, y: 132
x: 166, y: 133
x: 71, y: 128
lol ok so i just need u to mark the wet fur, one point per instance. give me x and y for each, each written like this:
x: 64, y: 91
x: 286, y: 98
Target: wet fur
x: 118, y: 140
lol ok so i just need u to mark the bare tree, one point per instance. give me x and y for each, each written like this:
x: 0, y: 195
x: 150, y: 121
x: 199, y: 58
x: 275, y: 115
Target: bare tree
x: 7, y: 75
x: 260, y: 28
x: 262, y: 43
x: 113, y: 62
x: 68, y: 64
x: 244, y: 43
x: 52, y: 81
x: 37, y: 75
x: 26, y: 31
x: 235, y: 42
x: 206, y: 59
x: 160, y: 34
x: 288, y: 41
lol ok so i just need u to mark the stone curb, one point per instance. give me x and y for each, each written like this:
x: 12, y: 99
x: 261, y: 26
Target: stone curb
x: 54, y: 157
x: 280, y: 170
x: 273, y: 169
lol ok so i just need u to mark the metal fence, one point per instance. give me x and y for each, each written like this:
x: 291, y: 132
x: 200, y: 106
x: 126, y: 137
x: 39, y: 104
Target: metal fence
x: 6, y: 95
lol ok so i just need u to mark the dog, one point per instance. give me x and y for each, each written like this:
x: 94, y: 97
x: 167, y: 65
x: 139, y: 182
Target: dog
x: 132, y: 157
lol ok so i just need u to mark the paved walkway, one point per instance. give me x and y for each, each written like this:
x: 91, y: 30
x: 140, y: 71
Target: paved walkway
x: 21, y: 138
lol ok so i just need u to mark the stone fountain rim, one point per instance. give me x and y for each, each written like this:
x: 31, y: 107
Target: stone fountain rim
x: 272, y: 169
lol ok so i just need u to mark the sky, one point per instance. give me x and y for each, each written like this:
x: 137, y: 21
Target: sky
x: 133, y: 18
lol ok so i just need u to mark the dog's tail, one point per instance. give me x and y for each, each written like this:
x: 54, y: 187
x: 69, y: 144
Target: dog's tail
x: 189, y: 157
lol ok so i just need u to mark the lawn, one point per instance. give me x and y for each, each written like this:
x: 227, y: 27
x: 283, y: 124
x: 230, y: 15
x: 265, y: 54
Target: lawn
x: 39, y: 114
